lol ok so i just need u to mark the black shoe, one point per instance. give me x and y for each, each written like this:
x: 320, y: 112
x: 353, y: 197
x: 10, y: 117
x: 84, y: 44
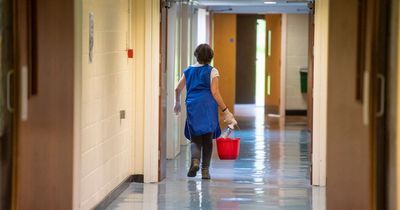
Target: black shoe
x: 205, y: 173
x: 194, y: 167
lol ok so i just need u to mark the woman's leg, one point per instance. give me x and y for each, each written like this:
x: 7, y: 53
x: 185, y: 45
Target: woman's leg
x: 207, y: 153
x: 195, y: 149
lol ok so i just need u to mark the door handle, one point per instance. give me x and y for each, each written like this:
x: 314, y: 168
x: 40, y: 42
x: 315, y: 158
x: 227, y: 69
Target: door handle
x: 24, y: 93
x: 366, y: 102
x: 10, y: 108
x: 381, y: 111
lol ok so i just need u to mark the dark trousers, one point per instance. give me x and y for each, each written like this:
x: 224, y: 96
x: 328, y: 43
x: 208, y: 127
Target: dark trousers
x: 201, y: 146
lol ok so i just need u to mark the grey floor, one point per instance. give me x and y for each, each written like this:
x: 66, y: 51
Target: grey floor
x: 272, y: 172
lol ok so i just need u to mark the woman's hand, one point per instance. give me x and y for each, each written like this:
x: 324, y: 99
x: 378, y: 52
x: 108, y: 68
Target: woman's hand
x: 178, y: 89
x: 229, y: 119
x: 177, y: 108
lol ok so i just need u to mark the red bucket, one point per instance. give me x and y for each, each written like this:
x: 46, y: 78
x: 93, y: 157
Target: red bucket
x: 228, y: 148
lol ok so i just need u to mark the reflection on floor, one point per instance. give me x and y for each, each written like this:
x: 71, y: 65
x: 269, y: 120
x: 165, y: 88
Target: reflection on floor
x: 272, y: 172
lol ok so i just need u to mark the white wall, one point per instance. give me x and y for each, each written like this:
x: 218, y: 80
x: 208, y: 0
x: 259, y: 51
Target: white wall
x: 296, y: 58
x: 185, y: 57
x: 106, y: 139
x: 184, y: 23
x: 146, y: 66
x: 320, y: 93
x: 173, y: 126
x: 201, y: 26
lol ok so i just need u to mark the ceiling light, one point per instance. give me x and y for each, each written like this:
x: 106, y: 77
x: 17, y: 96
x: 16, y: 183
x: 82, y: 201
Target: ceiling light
x: 269, y: 2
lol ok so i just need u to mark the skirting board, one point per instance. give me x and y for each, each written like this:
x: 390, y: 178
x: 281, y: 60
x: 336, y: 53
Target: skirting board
x: 270, y: 109
x: 139, y: 178
x: 103, y: 204
x: 296, y: 112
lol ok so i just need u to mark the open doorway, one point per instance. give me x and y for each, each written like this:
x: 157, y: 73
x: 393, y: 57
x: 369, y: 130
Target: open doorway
x: 260, y: 64
x: 250, y: 57
x: 251, y: 51
x: 268, y: 57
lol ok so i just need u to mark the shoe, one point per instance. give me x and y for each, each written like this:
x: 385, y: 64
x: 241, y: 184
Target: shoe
x: 205, y: 173
x: 194, y: 167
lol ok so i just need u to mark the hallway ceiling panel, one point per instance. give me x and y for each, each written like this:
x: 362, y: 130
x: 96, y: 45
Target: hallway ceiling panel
x: 256, y: 6
x: 246, y: 2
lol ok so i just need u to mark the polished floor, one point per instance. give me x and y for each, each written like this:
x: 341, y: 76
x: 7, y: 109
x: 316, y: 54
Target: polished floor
x: 272, y: 172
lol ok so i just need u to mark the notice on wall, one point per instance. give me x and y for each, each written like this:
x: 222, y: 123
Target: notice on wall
x: 91, y: 36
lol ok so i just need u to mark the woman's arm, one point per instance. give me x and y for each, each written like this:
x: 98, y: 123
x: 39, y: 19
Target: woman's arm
x: 228, y: 116
x: 216, y: 94
x: 178, y: 90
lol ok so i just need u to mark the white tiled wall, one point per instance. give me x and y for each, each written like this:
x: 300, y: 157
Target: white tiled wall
x: 296, y: 58
x: 106, y: 89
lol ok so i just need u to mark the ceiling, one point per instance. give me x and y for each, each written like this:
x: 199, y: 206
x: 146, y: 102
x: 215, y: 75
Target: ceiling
x: 255, y: 6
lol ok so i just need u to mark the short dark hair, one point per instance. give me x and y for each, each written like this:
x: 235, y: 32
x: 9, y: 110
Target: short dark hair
x: 204, y: 54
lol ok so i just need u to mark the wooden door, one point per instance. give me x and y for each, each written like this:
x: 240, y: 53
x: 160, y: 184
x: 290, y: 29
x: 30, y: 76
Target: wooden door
x: 357, y: 105
x: 225, y: 56
x: 273, y: 64
x: 379, y: 100
x: 44, y: 165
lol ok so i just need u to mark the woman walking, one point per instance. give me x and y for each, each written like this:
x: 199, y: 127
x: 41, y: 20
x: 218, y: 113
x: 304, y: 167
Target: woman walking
x: 202, y: 102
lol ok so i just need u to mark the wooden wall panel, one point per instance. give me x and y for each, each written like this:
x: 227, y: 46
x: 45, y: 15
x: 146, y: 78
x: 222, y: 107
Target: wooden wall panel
x: 225, y: 55
x: 273, y: 63
x: 45, y: 141
x: 394, y: 181
x: 395, y: 193
x: 394, y: 111
x: 349, y: 157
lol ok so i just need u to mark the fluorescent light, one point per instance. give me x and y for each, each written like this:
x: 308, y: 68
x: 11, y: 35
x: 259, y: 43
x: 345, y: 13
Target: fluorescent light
x: 269, y: 2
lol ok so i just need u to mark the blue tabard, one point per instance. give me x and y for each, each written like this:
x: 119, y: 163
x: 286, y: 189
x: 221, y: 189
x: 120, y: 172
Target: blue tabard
x: 202, y: 109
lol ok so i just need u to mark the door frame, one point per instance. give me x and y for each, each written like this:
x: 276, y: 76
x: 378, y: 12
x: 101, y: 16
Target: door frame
x: 273, y: 63
x: 310, y: 80
x: 78, y: 19
x: 380, y: 63
x: 320, y: 93
x: 152, y: 91
x: 394, y: 122
x: 162, y: 147
x: 282, y: 104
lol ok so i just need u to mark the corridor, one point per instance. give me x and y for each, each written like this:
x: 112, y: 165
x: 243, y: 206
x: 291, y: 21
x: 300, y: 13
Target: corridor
x: 87, y: 89
x: 272, y: 172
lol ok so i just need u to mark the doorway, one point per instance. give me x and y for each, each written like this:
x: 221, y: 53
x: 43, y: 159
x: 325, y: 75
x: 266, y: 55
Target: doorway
x: 251, y: 64
x: 260, y: 64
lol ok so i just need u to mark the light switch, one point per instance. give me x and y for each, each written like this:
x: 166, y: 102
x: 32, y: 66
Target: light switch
x: 122, y: 114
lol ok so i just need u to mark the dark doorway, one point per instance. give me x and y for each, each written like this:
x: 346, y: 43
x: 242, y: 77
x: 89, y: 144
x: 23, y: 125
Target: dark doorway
x: 246, y: 59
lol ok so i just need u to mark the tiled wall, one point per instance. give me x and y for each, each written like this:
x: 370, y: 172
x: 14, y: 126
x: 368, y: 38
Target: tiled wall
x: 296, y: 58
x: 106, y: 90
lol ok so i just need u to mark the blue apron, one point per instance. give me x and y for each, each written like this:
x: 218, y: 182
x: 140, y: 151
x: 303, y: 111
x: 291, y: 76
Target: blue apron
x: 202, y: 109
